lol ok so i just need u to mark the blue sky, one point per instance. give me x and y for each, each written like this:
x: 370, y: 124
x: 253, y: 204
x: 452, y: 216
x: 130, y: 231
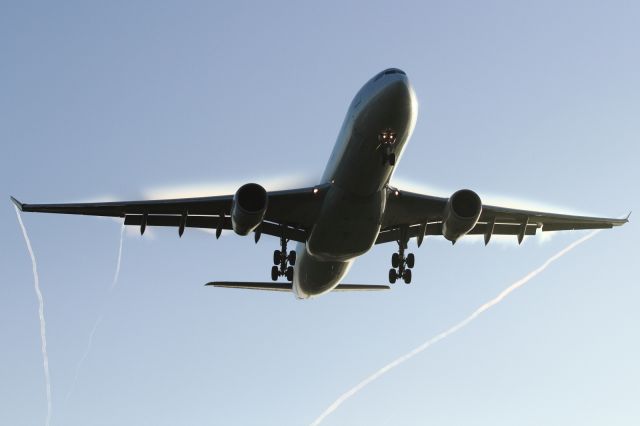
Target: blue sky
x: 121, y: 100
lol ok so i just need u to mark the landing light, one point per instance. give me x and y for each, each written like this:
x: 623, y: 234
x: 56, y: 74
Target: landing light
x: 315, y: 190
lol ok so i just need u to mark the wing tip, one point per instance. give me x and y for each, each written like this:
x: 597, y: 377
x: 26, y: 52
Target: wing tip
x: 17, y: 203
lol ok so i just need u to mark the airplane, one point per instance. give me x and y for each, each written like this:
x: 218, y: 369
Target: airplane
x: 352, y: 209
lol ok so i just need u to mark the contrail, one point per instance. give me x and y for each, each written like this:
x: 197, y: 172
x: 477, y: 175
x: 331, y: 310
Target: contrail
x: 117, y: 274
x: 522, y: 281
x: 83, y: 357
x: 98, y: 321
x: 43, y: 332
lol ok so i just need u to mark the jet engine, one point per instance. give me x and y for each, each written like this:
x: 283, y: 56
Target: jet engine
x: 248, y: 209
x: 461, y: 214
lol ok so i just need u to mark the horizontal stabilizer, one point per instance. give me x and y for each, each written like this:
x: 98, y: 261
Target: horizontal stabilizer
x: 361, y: 287
x: 252, y: 285
x: 288, y: 286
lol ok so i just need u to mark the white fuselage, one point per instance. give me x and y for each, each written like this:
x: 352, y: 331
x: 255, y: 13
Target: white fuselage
x: 350, y: 217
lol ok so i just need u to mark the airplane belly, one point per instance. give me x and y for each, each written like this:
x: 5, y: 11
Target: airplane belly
x: 347, y: 225
x: 313, y: 277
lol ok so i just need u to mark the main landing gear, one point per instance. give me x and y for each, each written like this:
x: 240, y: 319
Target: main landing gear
x: 401, y: 265
x: 283, y: 262
x: 387, y: 139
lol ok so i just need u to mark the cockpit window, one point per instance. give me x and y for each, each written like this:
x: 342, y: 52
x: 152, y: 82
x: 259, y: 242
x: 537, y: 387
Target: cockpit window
x: 394, y: 71
x: 387, y: 72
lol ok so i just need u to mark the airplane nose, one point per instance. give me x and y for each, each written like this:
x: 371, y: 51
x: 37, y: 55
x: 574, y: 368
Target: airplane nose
x: 388, y: 93
x: 397, y: 89
x: 392, y: 100
x: 395, y: 84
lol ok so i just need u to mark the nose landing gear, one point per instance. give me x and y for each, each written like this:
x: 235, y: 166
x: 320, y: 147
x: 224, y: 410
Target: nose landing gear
x: 387, y: 139
x: 401, y: 265
x: 283, y: 262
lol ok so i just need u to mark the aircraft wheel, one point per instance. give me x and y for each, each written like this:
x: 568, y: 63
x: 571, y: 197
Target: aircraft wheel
x: 274, y: 273
x: 407, y: 276
x: 395, y: 260
x: 276, y: 257
x: 393, y: 276
x: 292, y: 257
x: 411, y: 260
x: 289, y: 273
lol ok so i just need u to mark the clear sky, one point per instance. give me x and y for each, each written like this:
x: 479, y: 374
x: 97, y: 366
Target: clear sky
x: 121, y: 100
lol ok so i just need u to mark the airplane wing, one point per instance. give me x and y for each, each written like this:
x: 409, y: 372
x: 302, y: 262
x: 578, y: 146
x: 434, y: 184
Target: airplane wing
x: 289, y: 213
x: 421, y: 215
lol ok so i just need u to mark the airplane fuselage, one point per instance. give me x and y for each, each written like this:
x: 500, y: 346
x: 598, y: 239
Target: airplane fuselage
x: 358, y: 172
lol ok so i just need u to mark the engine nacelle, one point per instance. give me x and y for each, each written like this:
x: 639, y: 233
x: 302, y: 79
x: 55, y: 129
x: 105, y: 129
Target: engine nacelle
x: 461, y: 214
x: 248, y: 209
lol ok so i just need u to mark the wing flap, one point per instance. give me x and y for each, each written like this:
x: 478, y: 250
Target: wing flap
x: 202, y: 205
x: 435, y: 228
x: 575, y: 226
x: 213, y: 222
x: 548, y: 221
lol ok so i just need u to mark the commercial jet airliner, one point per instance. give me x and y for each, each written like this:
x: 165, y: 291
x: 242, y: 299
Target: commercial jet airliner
x: 349, y: 211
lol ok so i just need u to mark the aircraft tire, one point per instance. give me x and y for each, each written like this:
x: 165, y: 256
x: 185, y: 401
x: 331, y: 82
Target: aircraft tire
x: 395, y: 260
x: 407, y: 276
x: 289, y: 273
x: 411, y: 260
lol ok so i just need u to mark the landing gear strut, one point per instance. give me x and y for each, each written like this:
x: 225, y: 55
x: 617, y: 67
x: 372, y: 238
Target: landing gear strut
x: 283, y: 262
x: 401, y: 265
x: 387, y: 139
